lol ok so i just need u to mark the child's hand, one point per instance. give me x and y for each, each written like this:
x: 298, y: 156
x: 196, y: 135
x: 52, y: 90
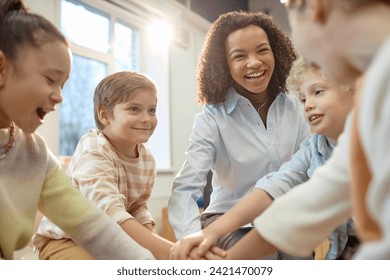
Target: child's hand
x: 216, y: 253
x: 193, y: 246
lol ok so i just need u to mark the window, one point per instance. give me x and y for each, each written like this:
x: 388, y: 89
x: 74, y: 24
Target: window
x: 126, y: 48
x: 80, y: 31
x: 103, y: 43
x: 77, y: 108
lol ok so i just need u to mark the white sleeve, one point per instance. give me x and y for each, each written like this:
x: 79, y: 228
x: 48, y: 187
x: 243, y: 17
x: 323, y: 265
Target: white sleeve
x: 374, y: 131
x: 189, y: 184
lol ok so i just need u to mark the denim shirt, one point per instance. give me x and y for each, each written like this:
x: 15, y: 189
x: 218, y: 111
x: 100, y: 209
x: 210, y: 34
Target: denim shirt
x: 313, y: 153
x: 230, y: 139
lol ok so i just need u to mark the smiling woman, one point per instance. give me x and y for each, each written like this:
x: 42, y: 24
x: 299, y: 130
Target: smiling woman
x: 241, y: 134
x: 251, y: 62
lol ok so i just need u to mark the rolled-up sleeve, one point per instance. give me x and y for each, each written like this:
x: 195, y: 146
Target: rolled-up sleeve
x: 290, y: 174
x: 299, y: 220
x: 95, y: 176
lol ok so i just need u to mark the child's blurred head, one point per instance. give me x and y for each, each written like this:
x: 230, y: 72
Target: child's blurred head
x: 330, y: 34
x: 326, y: 104
x: 35, y: 63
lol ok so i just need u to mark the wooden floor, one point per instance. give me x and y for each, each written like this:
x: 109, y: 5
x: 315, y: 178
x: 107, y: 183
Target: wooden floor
x: 321, y: 250
x: 166, y: 228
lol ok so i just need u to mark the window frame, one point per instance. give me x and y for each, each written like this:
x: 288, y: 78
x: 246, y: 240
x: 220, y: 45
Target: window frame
x: 147, y: 63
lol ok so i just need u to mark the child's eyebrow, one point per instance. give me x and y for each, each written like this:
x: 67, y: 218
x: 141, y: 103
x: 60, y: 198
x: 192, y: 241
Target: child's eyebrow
x: 317, y: 85
x: 130, y: 103
x: 58, y: 73
x: 55, y: 70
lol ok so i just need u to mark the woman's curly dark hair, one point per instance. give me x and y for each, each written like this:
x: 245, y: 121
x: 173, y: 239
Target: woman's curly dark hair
x: 213, y: 74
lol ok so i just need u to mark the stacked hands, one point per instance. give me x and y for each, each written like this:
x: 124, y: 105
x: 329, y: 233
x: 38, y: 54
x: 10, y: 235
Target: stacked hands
x: 200, y: 245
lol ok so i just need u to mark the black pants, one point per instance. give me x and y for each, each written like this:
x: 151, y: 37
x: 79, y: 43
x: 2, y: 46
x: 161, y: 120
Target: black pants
x: 350, y: 249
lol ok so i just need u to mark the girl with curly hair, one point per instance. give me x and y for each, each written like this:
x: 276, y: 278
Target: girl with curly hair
x: 249, y: 126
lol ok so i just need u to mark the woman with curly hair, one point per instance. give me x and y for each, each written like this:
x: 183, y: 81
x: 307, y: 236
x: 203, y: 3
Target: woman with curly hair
x: 248, y: 127
x: 355, y: 181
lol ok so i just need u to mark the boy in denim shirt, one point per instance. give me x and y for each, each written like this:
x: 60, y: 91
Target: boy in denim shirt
x: 326, y: 106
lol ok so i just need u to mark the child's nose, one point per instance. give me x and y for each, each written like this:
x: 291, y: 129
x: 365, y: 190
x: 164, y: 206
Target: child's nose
x: 145, y: 117
x: 309, y: 105
x: 56, y: 96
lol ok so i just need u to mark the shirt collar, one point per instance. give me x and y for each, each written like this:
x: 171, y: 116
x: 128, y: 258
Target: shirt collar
x: 233, y: 98
x: 323, y: 145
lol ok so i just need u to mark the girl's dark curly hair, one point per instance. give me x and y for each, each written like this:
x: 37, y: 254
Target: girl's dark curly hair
x: 213, y: 74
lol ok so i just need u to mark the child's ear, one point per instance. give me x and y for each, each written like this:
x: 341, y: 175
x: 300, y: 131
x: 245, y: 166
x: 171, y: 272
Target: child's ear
x: 103, y: 116
x: 320, y: 10
x: 3, y: 68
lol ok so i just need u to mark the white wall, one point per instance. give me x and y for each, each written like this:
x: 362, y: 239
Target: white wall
x: 182, y: 84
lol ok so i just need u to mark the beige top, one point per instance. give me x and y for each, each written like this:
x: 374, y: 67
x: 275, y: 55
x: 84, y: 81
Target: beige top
x: 118, y: 185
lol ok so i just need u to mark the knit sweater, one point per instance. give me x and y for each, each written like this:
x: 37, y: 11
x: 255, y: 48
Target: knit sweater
x: 31, y: 179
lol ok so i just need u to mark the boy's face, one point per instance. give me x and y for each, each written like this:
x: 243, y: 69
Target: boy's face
x: 133, y: 122
x: 326, y: 105
x: 250, y: 58
x: 32, y: 86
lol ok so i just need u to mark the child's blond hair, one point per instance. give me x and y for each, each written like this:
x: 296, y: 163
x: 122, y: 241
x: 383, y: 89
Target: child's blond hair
x: 298, y: 69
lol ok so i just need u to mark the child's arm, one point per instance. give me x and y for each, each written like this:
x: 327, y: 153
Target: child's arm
x: 139, y: 209
x: 242, y: 213
x: 64, y: 205
x: 150, y: 227
x: 251, y: 247
x: 270, y: 186
x: 99, y: 183
x: 156, y: 244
